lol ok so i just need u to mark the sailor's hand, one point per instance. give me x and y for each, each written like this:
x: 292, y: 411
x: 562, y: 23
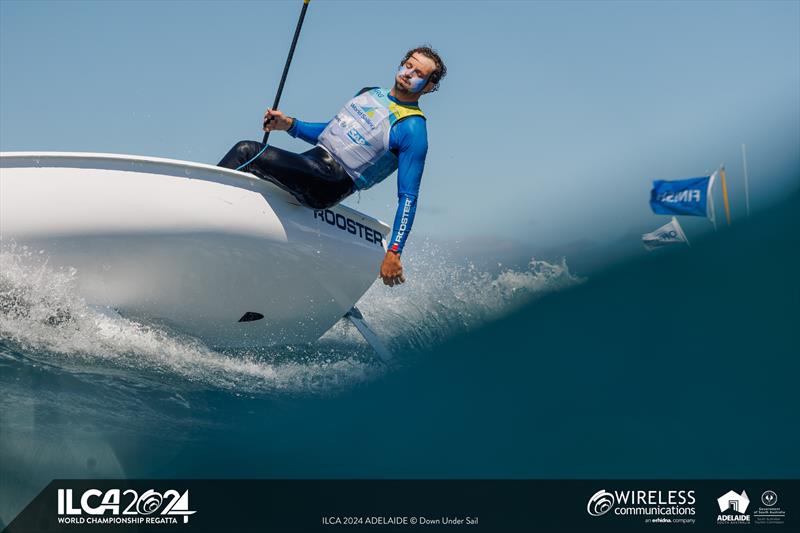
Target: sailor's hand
x: 392, y: 270
x: 276, y: 120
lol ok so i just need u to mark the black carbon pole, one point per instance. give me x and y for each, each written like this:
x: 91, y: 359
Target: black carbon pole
x: 288, y: 61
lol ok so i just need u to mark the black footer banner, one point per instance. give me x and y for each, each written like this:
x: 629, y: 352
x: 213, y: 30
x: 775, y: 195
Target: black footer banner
x: 334, y: 506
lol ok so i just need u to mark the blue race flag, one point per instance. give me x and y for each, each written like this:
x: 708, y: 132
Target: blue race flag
x: 683, y: 197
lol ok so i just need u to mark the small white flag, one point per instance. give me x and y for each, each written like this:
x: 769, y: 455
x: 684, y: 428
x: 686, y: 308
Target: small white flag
x: 669, y: 233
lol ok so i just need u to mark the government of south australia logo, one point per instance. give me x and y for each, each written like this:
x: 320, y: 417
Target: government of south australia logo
x: 733, y: 508
x: 769, y: 498
x: 600, y: 503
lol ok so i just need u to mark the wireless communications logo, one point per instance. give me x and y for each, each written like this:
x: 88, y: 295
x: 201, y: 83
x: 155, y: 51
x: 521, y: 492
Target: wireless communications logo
x: 649, y: 506
x: 600, y: 503
x: 115, y: 506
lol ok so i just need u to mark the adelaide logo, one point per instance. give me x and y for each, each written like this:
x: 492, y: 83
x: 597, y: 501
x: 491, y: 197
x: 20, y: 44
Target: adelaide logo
x: 733, y: 508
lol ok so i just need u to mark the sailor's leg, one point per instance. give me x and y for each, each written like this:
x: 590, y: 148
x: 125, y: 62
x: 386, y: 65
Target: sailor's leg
x: 331, y: 183
x: 314, y: 178
x: 239, y: 154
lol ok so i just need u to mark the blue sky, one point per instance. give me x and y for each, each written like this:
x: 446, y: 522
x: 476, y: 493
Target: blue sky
x: 553, y: 120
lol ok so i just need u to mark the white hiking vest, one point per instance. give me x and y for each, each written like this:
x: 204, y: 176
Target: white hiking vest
x: 358, y: 136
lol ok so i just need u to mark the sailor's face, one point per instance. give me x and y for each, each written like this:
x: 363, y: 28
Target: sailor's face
x: 413, y: 76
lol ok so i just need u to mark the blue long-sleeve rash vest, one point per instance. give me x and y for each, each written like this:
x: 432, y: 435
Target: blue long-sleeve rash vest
x: 408, y: 139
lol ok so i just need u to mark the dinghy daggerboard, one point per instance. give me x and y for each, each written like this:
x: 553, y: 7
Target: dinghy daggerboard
x: 357, y: 319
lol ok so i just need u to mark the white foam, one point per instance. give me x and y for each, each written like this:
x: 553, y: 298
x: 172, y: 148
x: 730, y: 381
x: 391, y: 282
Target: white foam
x: 441, y: 297
x: 46, y: 317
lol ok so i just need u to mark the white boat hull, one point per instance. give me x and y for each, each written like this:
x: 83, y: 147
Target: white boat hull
x: 191, y: 245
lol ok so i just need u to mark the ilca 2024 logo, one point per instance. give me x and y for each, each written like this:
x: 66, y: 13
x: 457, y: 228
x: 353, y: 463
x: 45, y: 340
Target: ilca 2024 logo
x: 115, y: 506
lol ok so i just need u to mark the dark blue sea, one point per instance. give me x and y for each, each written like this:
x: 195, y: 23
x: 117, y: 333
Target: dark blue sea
x: 680, y: 363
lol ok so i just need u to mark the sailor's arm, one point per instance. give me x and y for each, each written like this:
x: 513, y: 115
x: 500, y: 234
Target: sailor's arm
x: 412, y: 145
x: 307, y: 131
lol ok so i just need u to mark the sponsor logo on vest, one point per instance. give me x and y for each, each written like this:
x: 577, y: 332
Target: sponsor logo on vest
x: 355, y: 108
x: 370, y: 111
x: 357, y: 137
x: 349, y: 225
x: 342, y: 123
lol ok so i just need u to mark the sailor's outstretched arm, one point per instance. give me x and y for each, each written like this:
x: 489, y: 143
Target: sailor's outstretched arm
x: 308, y: 131
x: 412, y: 145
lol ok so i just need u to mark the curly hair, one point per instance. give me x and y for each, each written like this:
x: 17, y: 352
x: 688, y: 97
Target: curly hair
x: 430, y: 53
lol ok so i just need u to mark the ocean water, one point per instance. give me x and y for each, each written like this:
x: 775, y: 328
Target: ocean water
x: 680, y: 364
x: 88, y: 393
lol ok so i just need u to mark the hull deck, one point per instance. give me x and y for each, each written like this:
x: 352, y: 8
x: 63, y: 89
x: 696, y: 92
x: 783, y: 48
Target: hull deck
x: 191, y: 245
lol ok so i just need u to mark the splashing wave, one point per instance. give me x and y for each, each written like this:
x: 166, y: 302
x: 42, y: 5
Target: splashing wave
x: 44, y: 320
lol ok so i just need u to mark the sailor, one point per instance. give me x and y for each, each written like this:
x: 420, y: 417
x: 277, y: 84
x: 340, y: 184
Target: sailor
x: 375, y: 133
